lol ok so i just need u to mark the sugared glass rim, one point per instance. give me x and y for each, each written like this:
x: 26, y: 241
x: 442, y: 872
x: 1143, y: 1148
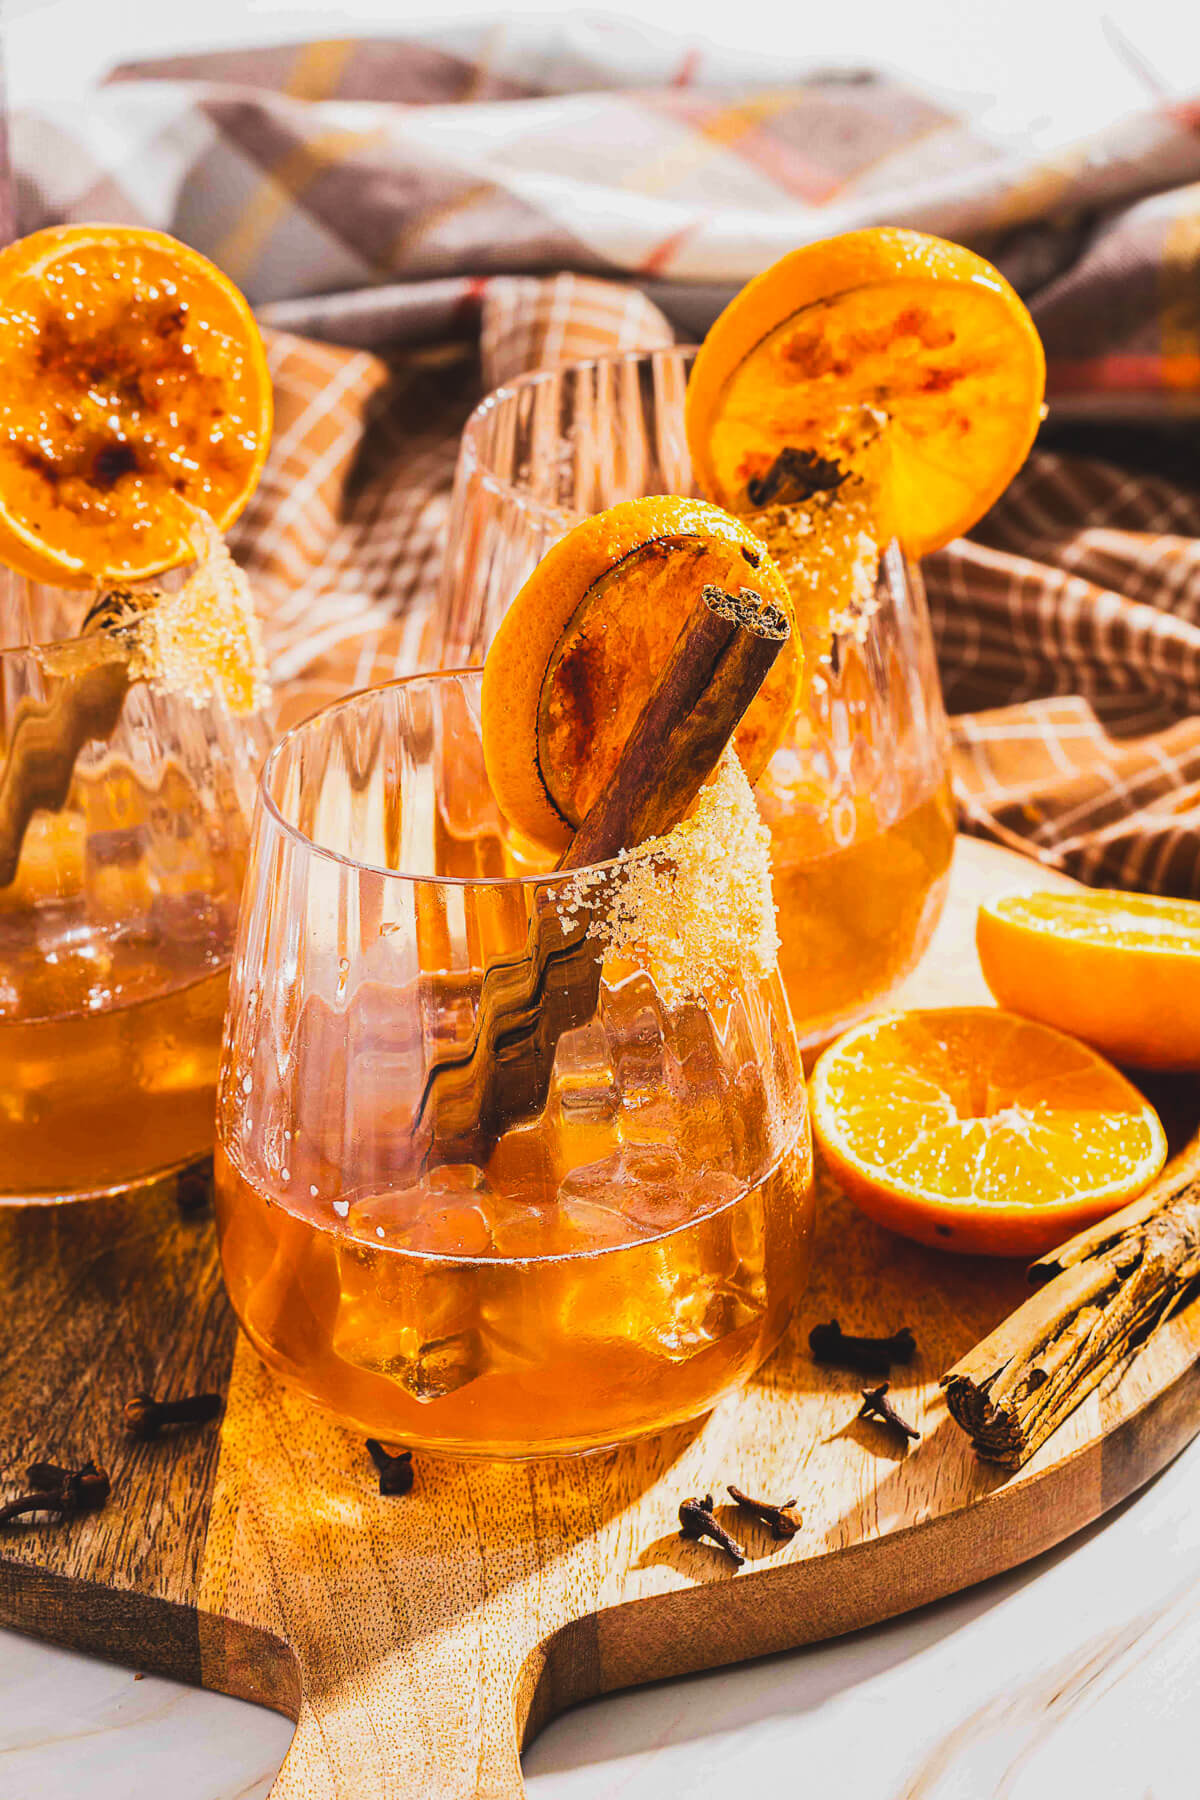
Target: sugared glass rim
x: 551, y: 879
x: 84, y: 594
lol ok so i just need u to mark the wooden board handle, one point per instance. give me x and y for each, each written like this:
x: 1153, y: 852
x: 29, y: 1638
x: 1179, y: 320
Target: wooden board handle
x: 400, y: 1657
x: 378, y: 1739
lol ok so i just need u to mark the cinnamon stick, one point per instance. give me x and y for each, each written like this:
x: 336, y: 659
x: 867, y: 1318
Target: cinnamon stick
x: 716, y: 666
x: 48, y: 735
x: 1101, y: 1297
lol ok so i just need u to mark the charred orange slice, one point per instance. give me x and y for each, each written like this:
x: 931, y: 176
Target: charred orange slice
x: 971, y: 1129
x: 583, y: 643
x: 919, y: 332
x: 133, y: 390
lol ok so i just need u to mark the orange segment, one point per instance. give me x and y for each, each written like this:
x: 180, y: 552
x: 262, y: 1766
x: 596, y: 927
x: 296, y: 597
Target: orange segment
x: 970, y: 1129
x: 582, y: 644
x: 133, y: 387
x: 923, y: 332
x: 1121, y: 971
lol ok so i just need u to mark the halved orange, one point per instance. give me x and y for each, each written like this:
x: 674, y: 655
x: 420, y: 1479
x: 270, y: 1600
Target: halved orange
x: 133, y: 388
x: 972, y: 1129
x: 583, y: 643
x: 897, y: 323
x: 1121, y: 971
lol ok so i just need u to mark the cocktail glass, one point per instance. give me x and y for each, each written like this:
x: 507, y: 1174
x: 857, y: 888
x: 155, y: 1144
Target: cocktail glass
x: 599, y: 1269
x: 857, y: 796
x: 118, y: 904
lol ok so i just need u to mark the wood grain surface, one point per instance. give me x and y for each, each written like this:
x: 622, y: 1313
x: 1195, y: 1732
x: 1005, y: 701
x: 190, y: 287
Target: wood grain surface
x: 418, y: 1640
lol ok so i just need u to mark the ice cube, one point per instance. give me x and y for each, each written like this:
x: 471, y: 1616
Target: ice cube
x: 645, y: 1183
x: 444, y: 1215
x: 582, y: 1115
x: 456, y: 1178
x: 593, y: 1181
x: 570, y: 1225
x: 707, y: 1278
x: 411, y: 1305
x: 584, y: 1224
x: 439, y: 1367
x: 523, y: 1163
x: 701, y: 1086
x: 522, y: 1223
x: 632, y: 1016
x: 702, y: 1310
x: 583, y: 1078
x: 415, y: 1322
x: 667, y: 1206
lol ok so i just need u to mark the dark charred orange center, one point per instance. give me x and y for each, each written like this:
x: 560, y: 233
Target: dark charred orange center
x: 607, y: 660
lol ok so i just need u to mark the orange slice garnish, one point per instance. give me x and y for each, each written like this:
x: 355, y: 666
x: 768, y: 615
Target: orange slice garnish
x: 923, y: 333
x: 133, y: 388
x: 581, y: 646
x: 1121, y: 971
x: 971, y: 1129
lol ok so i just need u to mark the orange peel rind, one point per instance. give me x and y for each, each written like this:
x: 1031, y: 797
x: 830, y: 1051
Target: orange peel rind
x: 1121, y: 971
x: 971, y: 1129
x: 902, y: 324
x: 133, y: 388
x: 581, y: 646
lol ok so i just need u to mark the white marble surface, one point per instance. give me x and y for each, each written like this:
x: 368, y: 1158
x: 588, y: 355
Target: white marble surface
x: 1077, y: 1673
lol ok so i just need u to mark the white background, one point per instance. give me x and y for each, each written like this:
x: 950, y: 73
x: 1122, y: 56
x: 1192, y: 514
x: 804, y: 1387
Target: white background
x: 1021, y: 61
x: 1079, y: 1672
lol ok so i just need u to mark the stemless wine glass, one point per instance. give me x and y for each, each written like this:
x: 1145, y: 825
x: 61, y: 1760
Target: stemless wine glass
x: 857, y: 796
x: 596, y: 1267
x: 120, y: 872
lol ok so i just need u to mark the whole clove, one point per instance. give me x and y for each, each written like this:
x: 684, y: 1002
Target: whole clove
x: 395, y: 1472
x: 795, y: 476
x: 64, y: 1493
x: 876, y: 1405
x: 696, y: 1520
x: 193, y: 1189
x: 867, y: 1355
x: 782, y: 1520
x: 145, y: 1416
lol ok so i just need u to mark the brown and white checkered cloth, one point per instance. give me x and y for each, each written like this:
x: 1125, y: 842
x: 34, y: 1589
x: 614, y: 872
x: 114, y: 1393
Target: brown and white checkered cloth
x: 418, y: 218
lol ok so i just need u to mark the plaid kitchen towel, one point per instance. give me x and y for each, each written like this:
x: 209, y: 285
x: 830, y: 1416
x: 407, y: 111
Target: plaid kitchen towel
x: 418, y: 218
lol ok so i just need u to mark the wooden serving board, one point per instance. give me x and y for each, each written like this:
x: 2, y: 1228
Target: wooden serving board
x: 417, y: 1641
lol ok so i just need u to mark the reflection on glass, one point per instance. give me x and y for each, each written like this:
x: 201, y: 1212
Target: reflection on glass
x: 601, y: 1269
x: 858, y: 796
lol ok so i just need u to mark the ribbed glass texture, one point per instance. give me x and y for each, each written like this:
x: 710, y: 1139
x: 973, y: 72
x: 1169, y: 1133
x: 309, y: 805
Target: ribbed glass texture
x: 606, y: 1261
x: 858, y: 796
x: 118, y: 906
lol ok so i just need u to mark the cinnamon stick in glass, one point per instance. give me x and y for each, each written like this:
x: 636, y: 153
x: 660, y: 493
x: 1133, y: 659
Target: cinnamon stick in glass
x: 717, y: 665
x: 48, y: 735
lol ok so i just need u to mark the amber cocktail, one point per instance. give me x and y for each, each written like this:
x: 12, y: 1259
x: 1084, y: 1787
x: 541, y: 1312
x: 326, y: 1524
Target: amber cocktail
x: 857, y: 795
x: 124, y: 812
x: 601, y: 1269
x: 135, y: 415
